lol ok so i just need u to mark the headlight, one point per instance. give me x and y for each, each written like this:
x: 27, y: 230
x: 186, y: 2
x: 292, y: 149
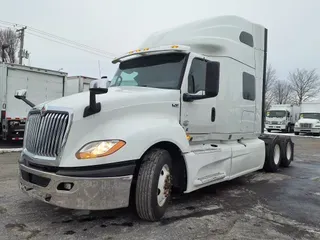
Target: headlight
x: 99, y: 149
x: 267, y: 122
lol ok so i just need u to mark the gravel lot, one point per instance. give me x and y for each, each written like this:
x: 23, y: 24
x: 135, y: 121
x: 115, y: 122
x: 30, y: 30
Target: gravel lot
x: 284, y: 205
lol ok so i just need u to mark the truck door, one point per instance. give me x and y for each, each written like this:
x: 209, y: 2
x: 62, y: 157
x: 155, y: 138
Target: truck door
x: 197, y: 116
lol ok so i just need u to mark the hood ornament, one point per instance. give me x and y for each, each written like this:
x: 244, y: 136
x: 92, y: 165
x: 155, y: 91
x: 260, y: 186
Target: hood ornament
x: 43, y: 111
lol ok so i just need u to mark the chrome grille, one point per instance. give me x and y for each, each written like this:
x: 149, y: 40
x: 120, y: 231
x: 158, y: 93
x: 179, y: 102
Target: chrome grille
x: 273, y: 122
x: 44, y: 134
x: 305, y: 125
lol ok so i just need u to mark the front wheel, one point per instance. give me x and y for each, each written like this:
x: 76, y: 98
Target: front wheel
x: 153, y: 189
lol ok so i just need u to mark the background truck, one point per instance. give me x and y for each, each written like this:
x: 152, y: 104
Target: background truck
x: 77, y: 84
x: 42, y: 85
x: 190, y: 115
x: 309, y: 121
x: 282, y: 117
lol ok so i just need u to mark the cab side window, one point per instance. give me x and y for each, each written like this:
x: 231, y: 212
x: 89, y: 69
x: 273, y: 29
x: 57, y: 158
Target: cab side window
x: 197, y: 76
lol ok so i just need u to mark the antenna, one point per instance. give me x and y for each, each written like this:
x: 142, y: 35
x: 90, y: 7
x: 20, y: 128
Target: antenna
x: 99, y: 69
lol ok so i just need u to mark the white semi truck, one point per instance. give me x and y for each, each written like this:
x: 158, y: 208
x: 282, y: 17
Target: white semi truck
x: 42, y: 85
x: 191, y: 117
x: 282, y: 117
x: 309, y: 121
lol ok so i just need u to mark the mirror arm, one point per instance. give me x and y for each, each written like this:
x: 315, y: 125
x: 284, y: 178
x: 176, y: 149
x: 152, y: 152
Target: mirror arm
x: 93, y: 107
x: 25, y: 100
x: 190, y: 98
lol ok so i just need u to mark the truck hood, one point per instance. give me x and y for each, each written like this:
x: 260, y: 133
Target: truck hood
x: 117, y: 97
x: 308, y: 120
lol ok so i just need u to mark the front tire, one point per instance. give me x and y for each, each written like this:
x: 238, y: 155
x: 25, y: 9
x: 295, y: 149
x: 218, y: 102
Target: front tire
x: 153, y: 189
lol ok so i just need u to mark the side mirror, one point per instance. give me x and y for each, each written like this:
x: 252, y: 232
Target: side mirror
x: 211, y: 83
x: 99, y: 86
x: 212, y: 79
x: 21, y: 93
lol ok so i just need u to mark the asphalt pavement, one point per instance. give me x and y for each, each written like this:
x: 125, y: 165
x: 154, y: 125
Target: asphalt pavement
x: 282, y: 205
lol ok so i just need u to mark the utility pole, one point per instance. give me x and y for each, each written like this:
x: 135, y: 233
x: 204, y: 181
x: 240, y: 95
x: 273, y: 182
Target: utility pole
x: 21, y: 36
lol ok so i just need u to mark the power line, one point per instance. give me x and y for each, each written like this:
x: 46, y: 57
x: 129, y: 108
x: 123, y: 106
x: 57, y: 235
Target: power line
x: 80, y: 45
x: 86, y: 50
x: 69, y: 41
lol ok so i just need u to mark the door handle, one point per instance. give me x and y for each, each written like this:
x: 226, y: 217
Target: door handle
x: 213, y: 114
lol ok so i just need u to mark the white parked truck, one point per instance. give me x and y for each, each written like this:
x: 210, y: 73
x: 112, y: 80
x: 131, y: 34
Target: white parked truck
x: 309, y: 121
x: 42, y: 85
x: 77, y: 84
x: 282, y: 117
x: 190, y: 115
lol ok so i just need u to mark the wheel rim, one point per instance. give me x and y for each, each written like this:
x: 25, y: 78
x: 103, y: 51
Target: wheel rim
x: 276, y: 155
x: 163, y: 185
x: 289, y: 151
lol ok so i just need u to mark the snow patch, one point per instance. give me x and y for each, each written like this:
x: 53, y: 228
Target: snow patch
x: 9, y: 150
x: 270, y: 177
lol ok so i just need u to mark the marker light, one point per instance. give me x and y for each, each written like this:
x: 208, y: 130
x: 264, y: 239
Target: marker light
x: 99, y: 149
x: 175, y: 46
x: 189, y: 138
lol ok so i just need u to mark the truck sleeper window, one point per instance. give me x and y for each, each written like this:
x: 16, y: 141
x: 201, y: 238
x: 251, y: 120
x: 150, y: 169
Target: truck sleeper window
x: 157, y: 71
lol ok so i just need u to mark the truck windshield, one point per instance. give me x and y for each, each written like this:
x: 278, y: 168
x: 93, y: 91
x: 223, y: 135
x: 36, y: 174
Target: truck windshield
x: 278, y: 114
x: 157, y: 71
x: 310, y: 115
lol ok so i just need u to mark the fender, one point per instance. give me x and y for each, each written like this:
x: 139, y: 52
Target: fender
x: 139, y: 131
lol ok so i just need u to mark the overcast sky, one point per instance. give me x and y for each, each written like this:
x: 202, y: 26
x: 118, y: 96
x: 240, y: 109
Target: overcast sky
x: 118, y: 26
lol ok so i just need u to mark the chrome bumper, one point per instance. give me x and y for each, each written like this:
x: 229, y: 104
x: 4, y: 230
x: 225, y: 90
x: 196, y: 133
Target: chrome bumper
x: 86, y: 193
x: 275, y: 127
x: 307, y: 130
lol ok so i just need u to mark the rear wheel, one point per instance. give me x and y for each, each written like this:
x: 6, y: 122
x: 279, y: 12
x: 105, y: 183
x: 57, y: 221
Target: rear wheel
x: 273, y: 155
x: 287, y: 153
x: 153, y: 189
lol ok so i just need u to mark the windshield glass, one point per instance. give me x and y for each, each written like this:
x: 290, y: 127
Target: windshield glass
x: 310, y: 115
x: 278, y: 114
x: 157, y: 71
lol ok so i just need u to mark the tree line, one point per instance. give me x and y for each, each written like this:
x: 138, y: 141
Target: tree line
x: 300, y: 86
x: 9, y: 45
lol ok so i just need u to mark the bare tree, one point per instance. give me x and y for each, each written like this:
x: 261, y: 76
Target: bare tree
x: 271, y: 78
x: 9, y: 37
x: 305, y: 84
x: 282, y: 92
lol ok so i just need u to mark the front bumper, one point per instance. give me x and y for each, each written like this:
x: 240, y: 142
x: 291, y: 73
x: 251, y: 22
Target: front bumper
x: 275, y: 127
x: 98, y: 193
x: 307, y: 130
